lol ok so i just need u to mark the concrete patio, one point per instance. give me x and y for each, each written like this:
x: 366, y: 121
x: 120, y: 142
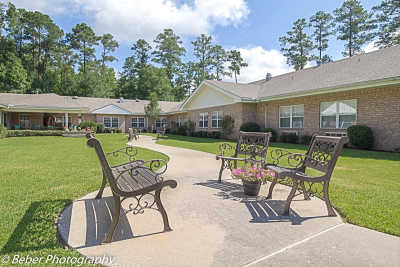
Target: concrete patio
x: 216, y: 225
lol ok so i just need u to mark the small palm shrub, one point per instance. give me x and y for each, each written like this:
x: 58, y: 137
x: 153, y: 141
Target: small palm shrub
x: 228, y: 123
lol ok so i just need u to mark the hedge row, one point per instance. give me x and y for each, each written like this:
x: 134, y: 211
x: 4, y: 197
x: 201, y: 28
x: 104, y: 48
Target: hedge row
x: 21, y: 133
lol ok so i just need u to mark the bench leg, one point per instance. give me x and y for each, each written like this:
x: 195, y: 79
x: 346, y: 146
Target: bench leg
x: 103, y: 184
x: 303, y: 187
x: 221, y: 170
x: 290, y: 198
x: 271, y: 187
x: 115, y: 219
x: 331, y: 212
x: 162, y: 210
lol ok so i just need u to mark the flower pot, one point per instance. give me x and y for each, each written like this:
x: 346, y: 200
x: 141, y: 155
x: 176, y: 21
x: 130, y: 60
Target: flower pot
x: 251, y: 188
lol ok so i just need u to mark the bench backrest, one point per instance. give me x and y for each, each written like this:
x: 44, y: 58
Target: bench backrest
x: 105, y: 166
x: 323, y: 153
x: 253, y: 145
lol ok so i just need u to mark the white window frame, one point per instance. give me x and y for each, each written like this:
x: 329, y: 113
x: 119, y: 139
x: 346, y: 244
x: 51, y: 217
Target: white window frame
x: 337, y: 114
x: 111, y: 122
x: 218, y: 119
x: 61, y: 120
x: 136, y: 120
x: 24, y: 118
x: 160, y: 123
x: 291, y: 116
x: 179, y: 121
x: 203, y: 119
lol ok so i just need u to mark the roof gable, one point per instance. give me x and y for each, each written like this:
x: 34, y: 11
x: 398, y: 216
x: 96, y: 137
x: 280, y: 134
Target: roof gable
x: 111, y: 109
x: 208, y: 95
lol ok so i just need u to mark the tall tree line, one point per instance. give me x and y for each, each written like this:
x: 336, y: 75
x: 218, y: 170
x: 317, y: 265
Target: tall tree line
x: 351, y: 23
x: 36, y: 56
x: 161, y: 70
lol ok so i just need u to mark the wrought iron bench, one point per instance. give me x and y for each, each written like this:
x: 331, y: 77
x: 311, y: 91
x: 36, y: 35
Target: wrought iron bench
x: 252, y: 145
x: 321, y: 156
x: 161, y: 132
x: 132, y: 134
x: 134, y: 179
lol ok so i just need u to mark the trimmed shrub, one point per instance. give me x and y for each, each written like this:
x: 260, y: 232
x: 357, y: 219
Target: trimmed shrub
x: 203, y: 133
x: 88, y: 125
x: 228, y: 123
x: 22, y: 133
x: 289, y: 138
x: 181, y: 130
x: 250, y: 127
x: 216, y: 134
x: 360, y: 136
x: 3, y: 131
x: 397, y: 150
x: 197, y: 134
x: 112, y: 130
x: 270, y: 130
x: 99, y: 128
x: 306, y: 139
x: 190, y: 127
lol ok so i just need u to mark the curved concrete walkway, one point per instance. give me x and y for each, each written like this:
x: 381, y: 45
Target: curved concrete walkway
x: 216, y: 225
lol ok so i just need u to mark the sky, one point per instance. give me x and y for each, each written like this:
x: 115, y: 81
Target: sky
x: 251, y: 26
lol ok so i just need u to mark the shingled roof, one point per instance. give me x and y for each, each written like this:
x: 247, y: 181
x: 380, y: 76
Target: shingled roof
x: 88, y: 104
x: 374, y: 66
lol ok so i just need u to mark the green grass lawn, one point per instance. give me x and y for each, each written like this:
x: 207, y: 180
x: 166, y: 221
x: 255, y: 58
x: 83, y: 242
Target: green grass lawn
x: 39, y: 177
x: 365, y: 186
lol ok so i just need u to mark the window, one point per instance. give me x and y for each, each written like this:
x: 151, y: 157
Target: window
x: 291, y: 116
x: 179, y: 121
x: 161, y: 123
x: 111, y: 122
x: 24, y: 121
x: 60, y: 122
x: 138, y: 122
x: 216, y: 119
x: 203, y: 120
x: 338, y: 114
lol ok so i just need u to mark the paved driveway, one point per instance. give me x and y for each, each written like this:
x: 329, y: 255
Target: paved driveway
x: 216, y: 225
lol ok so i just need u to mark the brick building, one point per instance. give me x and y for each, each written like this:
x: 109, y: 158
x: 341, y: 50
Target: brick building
x: 363, y: 89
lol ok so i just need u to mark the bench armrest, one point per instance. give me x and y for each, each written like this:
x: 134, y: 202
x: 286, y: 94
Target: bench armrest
x: 294, y: 160
x: 129, y: 151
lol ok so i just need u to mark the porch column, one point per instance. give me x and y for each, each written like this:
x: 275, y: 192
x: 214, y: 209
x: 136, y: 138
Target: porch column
x: 66, y: 120
x: 1, y: 117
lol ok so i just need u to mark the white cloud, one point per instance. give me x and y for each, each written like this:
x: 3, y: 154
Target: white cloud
x: 129, y: 20
x: 370, y: 47
x: 260, y: 62
x: 46, y: 6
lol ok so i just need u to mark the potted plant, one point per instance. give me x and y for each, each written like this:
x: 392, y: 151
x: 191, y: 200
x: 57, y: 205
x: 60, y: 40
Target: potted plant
x: 252, y: 178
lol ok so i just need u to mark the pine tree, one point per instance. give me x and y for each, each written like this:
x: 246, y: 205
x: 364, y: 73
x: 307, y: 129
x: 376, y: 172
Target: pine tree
x: 202, y: 47
x: 297, y: 45
x: 322, y: 23
x: 354, y: 25
x: 236, y: 62
x: 83, y: 39
x: 168, y: 52
x: 109, y: 45
x: 388, y: 16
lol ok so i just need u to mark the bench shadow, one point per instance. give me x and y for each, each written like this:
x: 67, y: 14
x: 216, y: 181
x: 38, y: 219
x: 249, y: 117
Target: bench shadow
x: 262, y: 210
x: 36, y: 229
x: 98, y: 216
